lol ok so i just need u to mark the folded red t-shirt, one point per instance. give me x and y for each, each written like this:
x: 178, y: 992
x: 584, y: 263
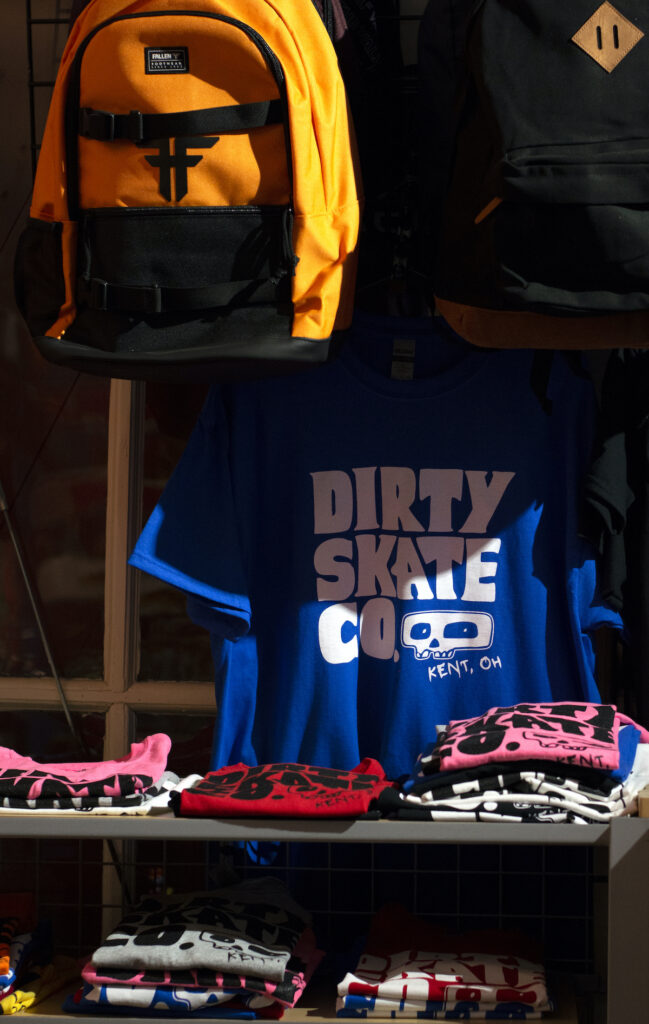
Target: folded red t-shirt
x: 284, y: 790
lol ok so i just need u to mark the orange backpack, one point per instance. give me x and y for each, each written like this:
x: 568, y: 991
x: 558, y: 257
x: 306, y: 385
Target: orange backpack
x: 196, y: 203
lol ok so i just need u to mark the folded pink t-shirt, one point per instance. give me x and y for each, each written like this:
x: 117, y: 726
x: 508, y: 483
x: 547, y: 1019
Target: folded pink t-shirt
x: 136, y: 771
x: 569, y: 732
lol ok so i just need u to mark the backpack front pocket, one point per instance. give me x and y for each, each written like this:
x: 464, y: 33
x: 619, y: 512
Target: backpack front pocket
x: 572, y: 257
x: 572, y: 230
x: 151, y: 261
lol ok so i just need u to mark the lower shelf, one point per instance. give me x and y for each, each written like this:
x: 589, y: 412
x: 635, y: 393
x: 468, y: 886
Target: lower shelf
x: 315, y: 1007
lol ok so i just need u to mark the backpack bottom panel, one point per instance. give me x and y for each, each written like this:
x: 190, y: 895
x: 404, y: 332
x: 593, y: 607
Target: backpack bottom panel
x: 244, y: 344
x: 507, y: 328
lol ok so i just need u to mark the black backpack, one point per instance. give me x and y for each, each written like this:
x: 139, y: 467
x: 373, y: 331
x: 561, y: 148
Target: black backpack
x: 441, y: 73
x: 545, y: 232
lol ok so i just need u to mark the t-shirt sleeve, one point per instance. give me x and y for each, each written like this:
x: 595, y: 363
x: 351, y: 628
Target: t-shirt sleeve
x: 594, y: 611
x: 575, y: 415
x: 191, y: 539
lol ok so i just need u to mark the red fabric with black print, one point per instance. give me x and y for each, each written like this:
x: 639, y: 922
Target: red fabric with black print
x: 284, y: 790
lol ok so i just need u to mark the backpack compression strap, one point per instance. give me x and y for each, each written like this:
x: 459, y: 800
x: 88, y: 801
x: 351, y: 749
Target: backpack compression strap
x: 138, y: 127
x: 105, y: 126
x: 153, y: 298
x: 147, y: 299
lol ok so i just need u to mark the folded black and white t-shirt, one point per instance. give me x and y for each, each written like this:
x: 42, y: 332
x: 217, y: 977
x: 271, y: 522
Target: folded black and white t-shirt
x: 525, y: 796
x: 251, y: 927
x: 154, y: 800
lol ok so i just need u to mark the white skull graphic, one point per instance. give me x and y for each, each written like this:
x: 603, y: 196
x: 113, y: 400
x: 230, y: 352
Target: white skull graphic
x: 441, y: 634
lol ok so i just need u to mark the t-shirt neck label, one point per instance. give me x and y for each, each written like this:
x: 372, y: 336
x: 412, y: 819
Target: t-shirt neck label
x: 403, y: 359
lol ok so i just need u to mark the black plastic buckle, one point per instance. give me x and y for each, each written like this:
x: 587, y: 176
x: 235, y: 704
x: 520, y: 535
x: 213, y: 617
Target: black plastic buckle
x: 134, y: 126
x: 130, y: 298
x: 97, y: 124
x: 153, y: 296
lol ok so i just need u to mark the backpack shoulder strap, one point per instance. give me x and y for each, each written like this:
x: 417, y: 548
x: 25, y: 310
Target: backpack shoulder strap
x: 75, y: 11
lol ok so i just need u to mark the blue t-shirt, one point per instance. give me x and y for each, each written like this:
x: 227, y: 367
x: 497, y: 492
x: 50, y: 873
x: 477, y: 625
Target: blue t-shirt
x: 375, y: 555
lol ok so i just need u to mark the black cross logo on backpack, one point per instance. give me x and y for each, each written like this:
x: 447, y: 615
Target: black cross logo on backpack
x: 179, y: 160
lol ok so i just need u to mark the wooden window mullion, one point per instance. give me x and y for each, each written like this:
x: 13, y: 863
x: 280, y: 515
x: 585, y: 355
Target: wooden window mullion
x: 123, y: 523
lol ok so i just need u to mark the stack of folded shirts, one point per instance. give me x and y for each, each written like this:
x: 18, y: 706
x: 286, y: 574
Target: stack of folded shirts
x: 37, y: 975
x: 286, y: 790
x: 23, y: 950
x: 411, y: 969
x: 244, y: 951
x: 554, y: 762
x: 136, y: 782
x: 17, y: 922
x: 38, y: 982
x: 28, y: 971
x: 156, y: 799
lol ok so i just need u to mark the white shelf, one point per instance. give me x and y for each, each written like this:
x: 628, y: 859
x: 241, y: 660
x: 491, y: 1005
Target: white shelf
x: 166, y: 826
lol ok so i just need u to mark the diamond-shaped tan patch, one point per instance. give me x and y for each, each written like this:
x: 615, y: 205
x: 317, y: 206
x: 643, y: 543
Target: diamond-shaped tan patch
x: 607, y: 36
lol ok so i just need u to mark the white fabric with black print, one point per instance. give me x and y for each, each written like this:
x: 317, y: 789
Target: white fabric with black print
x: 526, y: 796
x: 251, y: 927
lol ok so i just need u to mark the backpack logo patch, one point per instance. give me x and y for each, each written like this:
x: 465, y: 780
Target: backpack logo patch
x: 607, y: 36
x: 169, y: 60
x: 178, y: 162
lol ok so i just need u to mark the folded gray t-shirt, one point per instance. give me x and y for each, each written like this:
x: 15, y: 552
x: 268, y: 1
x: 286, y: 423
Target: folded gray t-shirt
x: 251, y: 927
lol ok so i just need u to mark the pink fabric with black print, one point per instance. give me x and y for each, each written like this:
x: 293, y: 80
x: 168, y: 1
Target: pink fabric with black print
x: 569, y: 732
x: 27, y: 779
